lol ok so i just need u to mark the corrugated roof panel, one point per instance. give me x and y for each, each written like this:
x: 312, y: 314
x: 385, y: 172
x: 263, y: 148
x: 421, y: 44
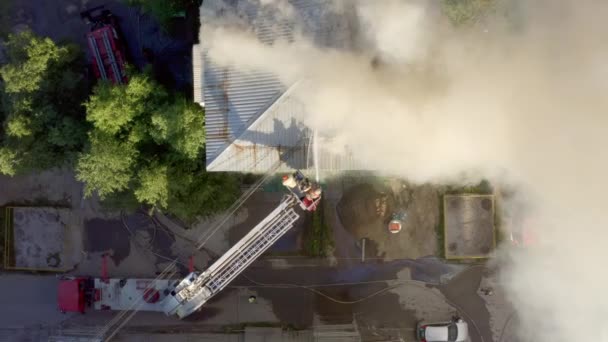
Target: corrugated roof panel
x: 249, y: 119
x: 279, y: 136
x: 232, y: 100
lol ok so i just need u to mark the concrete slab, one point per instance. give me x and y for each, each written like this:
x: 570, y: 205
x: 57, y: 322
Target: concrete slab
x: 42, y: 238
x: 469, y: 226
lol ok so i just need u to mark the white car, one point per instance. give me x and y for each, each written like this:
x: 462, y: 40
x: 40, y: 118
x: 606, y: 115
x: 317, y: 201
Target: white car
x: 456, y: 330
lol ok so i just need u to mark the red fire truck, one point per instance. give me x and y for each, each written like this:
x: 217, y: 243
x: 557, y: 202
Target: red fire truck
x: 105, y: 46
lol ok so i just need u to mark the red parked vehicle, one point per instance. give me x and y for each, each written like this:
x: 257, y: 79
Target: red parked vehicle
x: 75, y: 294
x: 105, y: 46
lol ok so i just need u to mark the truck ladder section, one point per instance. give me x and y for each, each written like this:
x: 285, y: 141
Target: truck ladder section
x: 97, y: 55
x: 195, y: 290
x: 110, y: 52
x: 104, y: 55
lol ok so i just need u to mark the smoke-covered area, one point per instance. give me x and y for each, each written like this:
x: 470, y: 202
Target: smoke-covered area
x: 519, y: 98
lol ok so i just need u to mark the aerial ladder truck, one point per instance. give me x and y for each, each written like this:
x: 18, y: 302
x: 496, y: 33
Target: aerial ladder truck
x: 197, y: 288
x: 187, y: 296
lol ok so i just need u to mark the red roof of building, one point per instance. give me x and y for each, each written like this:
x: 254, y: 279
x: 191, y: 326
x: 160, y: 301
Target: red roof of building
x: 70, y: 297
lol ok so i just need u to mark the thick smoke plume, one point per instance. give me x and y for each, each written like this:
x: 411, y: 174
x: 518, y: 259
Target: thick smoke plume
x: 520, y: 98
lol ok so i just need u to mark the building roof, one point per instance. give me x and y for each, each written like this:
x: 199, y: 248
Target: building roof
x: 252, y: 121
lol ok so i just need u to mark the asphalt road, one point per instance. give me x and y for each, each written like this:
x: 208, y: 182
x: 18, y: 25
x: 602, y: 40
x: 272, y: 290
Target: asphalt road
x: 29, y: 300
x: 462, y: 293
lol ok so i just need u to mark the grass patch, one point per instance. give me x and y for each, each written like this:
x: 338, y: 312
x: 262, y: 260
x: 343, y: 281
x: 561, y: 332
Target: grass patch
x: 318, y: 238
x: 466, y: 12
x: 482, y: 188
x: 6, y: 10
x: 440, y: 230
x: 499, y: 234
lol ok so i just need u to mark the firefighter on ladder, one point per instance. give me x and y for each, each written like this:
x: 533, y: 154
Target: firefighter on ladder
x: 311, y: 192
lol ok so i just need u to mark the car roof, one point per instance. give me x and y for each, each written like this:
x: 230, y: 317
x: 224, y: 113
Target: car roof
x: 440, y: 333
x: 436, y: 333
x: 463, y: 331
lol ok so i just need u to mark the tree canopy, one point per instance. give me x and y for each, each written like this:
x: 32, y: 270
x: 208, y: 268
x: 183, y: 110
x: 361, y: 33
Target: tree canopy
x: 134, y: 141
x: 41, y: 95
x: 149, y: 144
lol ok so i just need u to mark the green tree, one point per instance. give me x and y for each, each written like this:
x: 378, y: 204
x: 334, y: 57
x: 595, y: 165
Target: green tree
x: 181, y: 125
x: 8, y: 160
x: 195, y: 192
x: 41, y: 95
x: 112, y: 107
x: 153, y: 186
x: 107, y: 165
x: 148, y: 145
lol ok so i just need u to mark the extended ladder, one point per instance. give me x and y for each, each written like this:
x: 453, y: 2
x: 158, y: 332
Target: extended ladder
x: 104, y: 55
x: 195, y: 290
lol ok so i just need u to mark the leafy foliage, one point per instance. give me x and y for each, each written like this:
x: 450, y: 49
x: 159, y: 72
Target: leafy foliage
x: 318, y: 237
x: 148, y: 144
x: 193, y: 191
x: 181, y: 125
x: 107, y: 166
x: 8, y: 161
x: 42, y: 92
x: 111, y: 108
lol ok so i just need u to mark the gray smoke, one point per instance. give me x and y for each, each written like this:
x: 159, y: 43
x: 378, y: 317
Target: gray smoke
x: 520, y: 98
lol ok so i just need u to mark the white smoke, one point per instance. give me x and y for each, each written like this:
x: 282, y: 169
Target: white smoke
x: 522, y: 101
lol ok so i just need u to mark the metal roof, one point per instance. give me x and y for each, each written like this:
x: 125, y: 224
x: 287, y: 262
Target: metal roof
x: 197, y: 74
x: 251, y: 119
x: 279, y: 136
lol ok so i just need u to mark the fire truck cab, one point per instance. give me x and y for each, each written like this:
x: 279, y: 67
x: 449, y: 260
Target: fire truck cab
x: 75, y: 294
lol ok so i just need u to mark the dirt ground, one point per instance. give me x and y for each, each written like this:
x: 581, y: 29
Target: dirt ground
x: 366, y: 209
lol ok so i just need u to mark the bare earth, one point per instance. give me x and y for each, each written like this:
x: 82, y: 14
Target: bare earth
x: 366, y: 209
